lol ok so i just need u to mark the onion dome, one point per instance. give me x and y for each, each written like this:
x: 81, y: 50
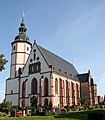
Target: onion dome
x: 22, y: 37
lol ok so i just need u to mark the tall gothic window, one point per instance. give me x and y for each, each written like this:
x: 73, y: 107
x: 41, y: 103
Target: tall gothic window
x: 34, y: 86
x: 77, y: 90
x: 24, y: 89
x: 56, y: 85
x: 67, y: 92
x: 46, y: 87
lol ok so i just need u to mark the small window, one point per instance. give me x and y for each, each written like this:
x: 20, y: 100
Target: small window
x: 65, y: 72
x: 14, y: 48
x: 75, y: 76
x: 30, y: 60
x: 37, y: 58
x: 34, y: 50
x: 59, y: 70
x: 11, y: 91
x: 27, y: 48
x: 56, y: 85
x: 70, y: 74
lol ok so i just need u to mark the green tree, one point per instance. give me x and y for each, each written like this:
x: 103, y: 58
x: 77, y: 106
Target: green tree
x: 8, y: 105
x: 2, y: 62
x: 5, y: 105
x: 85, y: 102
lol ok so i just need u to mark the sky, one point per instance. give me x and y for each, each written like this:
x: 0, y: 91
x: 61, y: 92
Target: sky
x: 72, y: 29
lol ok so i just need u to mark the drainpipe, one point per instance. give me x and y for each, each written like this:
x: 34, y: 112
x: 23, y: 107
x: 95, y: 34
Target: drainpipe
x: 51, y: 86
x: 24, y: 107
x: 19, y: 73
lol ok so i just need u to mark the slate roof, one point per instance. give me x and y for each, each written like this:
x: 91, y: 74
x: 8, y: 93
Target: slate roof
x: 83, y: 77
x: 61, y: 66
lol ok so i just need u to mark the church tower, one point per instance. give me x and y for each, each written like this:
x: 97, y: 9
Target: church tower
x: 21, y: 48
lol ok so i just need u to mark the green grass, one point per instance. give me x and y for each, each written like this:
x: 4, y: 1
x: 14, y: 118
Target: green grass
x: 70, y: 116
x: 80, y: 115
x: 74, y: 116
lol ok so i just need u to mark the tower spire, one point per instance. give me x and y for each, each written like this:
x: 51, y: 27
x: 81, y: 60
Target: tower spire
x: 23, y: 17
x: 22, y: 31
x: 22, y: 28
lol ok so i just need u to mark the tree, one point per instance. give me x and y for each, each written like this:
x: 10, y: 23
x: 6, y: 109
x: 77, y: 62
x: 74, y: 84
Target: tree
x: 85, y: 102
x: 2, y: 62
x: 5, y: 105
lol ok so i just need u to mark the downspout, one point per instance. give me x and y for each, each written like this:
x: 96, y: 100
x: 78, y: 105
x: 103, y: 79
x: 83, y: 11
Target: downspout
x: 19, y: 73
x: 51, y: 86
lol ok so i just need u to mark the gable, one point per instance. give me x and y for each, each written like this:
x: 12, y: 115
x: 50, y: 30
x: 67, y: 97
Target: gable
x: 44, y: 58
x: 35, y: 62
x: 83, y: 77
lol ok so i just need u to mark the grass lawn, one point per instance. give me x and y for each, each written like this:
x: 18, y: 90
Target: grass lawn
x: 71, y: 116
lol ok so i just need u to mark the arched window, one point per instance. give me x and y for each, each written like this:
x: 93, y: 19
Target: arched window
x: 46, y: 102
x: 46, y: 87
x: 24, y: 89
x: 34, y: 86
x: 56, y: 85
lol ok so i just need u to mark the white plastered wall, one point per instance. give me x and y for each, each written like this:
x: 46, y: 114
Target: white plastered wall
x: 12, y: 89
x: 25, y: 75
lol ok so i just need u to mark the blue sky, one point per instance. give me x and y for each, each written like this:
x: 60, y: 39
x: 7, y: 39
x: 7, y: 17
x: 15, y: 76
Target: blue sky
x: 73, y: 29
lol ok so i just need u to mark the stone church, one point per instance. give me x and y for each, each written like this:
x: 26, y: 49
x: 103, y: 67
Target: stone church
x: 38, y: 77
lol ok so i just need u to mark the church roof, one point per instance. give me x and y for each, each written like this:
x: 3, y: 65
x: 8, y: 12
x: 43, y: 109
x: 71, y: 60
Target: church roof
x: 83, y: 77
x: 61, y: 66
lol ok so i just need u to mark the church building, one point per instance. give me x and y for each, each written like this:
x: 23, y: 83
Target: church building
x: 38, y: 77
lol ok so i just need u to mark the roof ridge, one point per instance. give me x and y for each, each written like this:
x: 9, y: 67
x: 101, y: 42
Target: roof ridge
x: 55, y: 54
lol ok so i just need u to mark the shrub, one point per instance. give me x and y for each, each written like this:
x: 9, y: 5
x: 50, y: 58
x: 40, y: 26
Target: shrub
x: 96, y: 106
x: 13, y: 113
x: 6, y: 110
x: 1, y: 114
x: 96, y: 115
x: 33, y: 112
x: 41, y: 113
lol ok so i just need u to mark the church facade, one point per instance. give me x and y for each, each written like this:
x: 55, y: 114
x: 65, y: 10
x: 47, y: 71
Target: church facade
x: 38, y: 77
